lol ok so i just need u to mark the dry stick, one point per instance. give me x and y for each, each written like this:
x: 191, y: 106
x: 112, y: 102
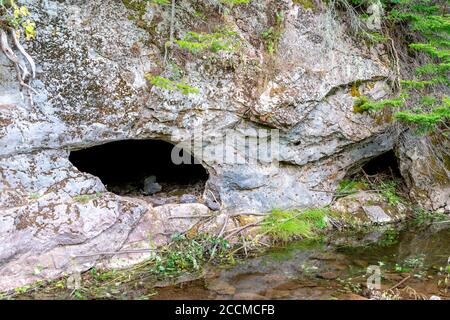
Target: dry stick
x: 9, y: 53
x: 445, y: 221
x: 218, y: 236
x: 249, y: 214
x: 397, y: 65
x: 24, y: 53
x: 366, y: 175
x: 192, y: 217
x: 111, y: 253
x: 214, y: 197
x: 400, y: 283
x: 239, y: 230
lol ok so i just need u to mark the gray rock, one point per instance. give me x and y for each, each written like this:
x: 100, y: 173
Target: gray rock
x: 376, y: 214
x: 214, y: 206
x: 151, y: 186
x: 188, y: 198
x: 427, y: 178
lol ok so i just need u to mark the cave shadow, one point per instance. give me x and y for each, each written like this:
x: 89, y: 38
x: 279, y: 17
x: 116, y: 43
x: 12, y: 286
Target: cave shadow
x: 124, y: 165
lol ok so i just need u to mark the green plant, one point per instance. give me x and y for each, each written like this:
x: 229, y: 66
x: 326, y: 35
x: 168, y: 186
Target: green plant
x: 347, y: 186
x: 422, y: 216
x: 187, y: 255
x: 171, y: 85
x: 17, y: 17
x: 414, y: 264
x: 223, y: 40
x: 85, y: 198
x: 364, y: 104
x: 160, y: 2
x: 389, y: 190
x: 285, y: 225
x: 35, y: 196
x: 428, y: 26
x: 307, y: 4
x: 272, y: 35
x: 389, y: 238
x: 232, y: 3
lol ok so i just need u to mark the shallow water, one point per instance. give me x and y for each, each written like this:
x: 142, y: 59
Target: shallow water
x: 409, y: 258
x: 413, y: 260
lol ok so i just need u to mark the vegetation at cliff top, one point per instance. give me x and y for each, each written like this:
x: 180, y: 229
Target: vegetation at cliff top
x: 17, y: 17
x: 422, y: 101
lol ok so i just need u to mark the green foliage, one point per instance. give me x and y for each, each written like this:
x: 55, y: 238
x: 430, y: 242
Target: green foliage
x: 171, y: 85
x: 389, y: 190
x: 233, y: 3
x: 389, y: 238
x: 223, y: 40
x: 422, y: 216
x: 387, y: 186
x: 364, y: 104
x: 160, y: 2
x: 34, y: 196
x: 272, y: 36
x: 187, y: 255
x: 414, y: 264
x: 285, y: 225
x: 429, y: 23
x: 307, y: 4
x: 85, y: 198
x: 438, y: 113
x: 347, y: 186
x: 17, y: 17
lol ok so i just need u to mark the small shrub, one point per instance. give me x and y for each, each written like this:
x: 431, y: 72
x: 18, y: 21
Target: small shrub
x: 17, y: 17
x: 171, y: 85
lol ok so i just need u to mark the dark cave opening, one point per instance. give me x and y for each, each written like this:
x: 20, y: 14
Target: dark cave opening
x: 129, y: 167
x: 384, y: 164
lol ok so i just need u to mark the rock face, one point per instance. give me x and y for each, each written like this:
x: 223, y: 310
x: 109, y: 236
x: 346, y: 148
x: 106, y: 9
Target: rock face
x: 92, y: 57
x: 364, y: 207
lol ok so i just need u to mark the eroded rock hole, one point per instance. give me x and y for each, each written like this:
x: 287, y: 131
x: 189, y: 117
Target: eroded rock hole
x: 142, y: 168
x: 385, y: 164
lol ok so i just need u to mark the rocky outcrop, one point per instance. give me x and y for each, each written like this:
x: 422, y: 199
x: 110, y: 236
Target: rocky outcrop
x: 91, y: 60
x: 425, y: 166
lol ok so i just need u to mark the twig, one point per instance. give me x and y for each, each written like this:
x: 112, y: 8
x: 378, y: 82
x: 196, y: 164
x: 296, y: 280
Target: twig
x: 20, y: 67
x: 112, y: 253
x: 400, y: 283
x: 213, y: 252
x: 445, y: 221
x: 192, y: 217
x: 239, y: 230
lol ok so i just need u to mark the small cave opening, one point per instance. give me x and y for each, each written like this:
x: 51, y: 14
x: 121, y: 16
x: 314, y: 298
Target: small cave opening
x: 380, y: 174
x: 385, y: 164
x: 142, y: 168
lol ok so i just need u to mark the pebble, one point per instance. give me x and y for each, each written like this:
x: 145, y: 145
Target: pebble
x: 214, y: 206
x: 188, y: 198
x: 151, y: 186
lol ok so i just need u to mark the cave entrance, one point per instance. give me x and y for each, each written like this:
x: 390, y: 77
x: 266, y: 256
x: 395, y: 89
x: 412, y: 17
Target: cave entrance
x: 386, y: 164
x: 142, y: 168
x: 380, y: 174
